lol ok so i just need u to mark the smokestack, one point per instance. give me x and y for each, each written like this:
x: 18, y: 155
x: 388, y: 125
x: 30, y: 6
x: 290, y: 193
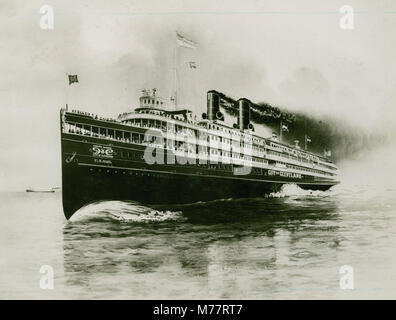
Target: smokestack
x: 244, y: 114
x: 213, y: 105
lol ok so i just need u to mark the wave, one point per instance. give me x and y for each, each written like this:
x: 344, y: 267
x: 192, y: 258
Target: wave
x: 293, y: 190
x: 124, y: 211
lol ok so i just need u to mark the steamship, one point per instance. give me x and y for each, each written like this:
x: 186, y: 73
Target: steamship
x: 159, y: 154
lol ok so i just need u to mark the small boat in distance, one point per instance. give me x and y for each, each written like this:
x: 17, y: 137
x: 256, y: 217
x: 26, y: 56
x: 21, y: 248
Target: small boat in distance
x: 40, y: 191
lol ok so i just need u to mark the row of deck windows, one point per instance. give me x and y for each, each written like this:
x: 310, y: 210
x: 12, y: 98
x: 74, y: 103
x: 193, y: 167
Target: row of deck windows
x: 165, y: 126
x: 294, y: 153
x: 308, y: 170
x: 178, y: 129
x: 152, y: 101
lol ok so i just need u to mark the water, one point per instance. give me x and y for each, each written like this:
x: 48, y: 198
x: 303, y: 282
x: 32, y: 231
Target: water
x: 287, y: 246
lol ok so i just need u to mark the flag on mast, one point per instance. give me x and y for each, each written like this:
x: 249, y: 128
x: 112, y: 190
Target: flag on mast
x: 327, y: 153
x: 72, y: 78
x: 192, y: 65
x: 308, y: 139
x: 184, y: 42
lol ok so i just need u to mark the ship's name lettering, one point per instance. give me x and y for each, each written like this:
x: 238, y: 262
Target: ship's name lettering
x: 103, y: 161
x: 102, y: 151
x: 284, y: 174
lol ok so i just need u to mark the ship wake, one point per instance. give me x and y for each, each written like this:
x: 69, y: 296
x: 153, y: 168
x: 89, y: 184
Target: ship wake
x: 124, y: 211
x: 292, y: 190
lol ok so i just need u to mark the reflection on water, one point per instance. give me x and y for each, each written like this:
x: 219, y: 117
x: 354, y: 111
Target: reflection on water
x: 220, y: 249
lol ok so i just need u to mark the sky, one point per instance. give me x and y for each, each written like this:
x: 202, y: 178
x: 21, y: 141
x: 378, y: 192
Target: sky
x: 291, y: 54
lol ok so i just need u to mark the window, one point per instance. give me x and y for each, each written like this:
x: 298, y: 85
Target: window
x: 118, y: 134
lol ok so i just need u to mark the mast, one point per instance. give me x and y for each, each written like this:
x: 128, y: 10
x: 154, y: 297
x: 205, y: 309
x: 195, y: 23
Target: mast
x: 305, y: 135
x: 305, y: 142
x: 280, y: 130
x: 175, y: 80
x: 181, y: 41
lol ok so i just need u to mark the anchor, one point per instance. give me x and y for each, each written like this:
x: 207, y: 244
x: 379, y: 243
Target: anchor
x: 70, y: 159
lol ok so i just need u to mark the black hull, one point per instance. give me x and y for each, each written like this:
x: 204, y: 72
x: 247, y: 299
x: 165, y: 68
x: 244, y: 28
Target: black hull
x: 83, y: 185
